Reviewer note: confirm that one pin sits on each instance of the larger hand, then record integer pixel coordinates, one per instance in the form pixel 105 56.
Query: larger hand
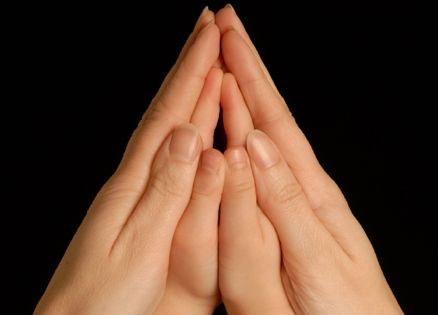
pixel 118 261
pixel 329 263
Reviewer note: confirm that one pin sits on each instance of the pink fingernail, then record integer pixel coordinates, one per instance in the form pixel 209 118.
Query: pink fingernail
pixel 203 12
pixel 236 158
pixel 262 150
pixel 185 143
pixel 228 5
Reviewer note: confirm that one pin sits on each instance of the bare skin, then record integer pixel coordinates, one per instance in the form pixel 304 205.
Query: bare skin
pixel 129 255
pixel 328 264
pixel 152 242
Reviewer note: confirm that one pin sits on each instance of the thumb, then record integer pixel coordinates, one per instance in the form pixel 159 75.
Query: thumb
pixel 154 219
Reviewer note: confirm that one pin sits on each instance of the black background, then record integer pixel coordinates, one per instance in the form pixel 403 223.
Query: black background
pixel 82 76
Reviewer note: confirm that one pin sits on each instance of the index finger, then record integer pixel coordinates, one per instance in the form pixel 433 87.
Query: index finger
pixel 227 19
pixel 173 105
pixel 270 114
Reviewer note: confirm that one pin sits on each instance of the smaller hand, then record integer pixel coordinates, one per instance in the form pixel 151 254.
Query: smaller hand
pixel 192 282
pixel 249 251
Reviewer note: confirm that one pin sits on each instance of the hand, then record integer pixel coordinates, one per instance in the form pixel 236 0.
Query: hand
pixel 328 263
pixel 118 261
pixel 249 251
pixel 192 282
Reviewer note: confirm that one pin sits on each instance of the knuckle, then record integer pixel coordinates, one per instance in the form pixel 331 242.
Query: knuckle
pixel 204 189
pixel 160 109
pixel 167 182
pixel 286 193
pixel 186 69
pixel 152 112
pixel 242 186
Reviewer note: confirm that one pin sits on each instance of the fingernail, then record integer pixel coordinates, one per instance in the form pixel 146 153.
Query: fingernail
pixel 185 143
pixel 211 160
pixel 262 150
pixel 236 158
pixel 204 11
pixel 228 5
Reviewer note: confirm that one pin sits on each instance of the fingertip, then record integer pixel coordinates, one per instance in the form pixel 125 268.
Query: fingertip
pixel 228 5
pixel 186 143
pixel 233 45
pixel 236 158
pixel 205 17
pixel 212 85
pixel 229 32
pixel 262 149
pixel 216 74
pixel 210 176
pixel 212 161
pixel 226 18
pixel 209 27
pixel 209 38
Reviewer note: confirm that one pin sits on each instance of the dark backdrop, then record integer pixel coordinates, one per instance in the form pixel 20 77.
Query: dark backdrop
pixel 350 74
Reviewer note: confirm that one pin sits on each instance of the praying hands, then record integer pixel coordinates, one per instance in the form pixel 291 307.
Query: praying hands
pixel 181 227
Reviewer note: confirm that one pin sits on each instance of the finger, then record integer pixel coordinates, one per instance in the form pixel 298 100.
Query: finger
pixel 238 123
pixel 227 19
pixel 194 247
pixel 268 112
pixel 302 236
pixel 205 17
pixel 153 222
pixel 123 190
pixel 249 253
pixel 251 79
pixel 200 220
pixel 267 107
pixel 236 117
pixel 206 113
pixel 239 199
pixel 173 105
pixel 271 116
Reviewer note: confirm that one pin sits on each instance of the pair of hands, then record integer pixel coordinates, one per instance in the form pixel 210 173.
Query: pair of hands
pixel 151 243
